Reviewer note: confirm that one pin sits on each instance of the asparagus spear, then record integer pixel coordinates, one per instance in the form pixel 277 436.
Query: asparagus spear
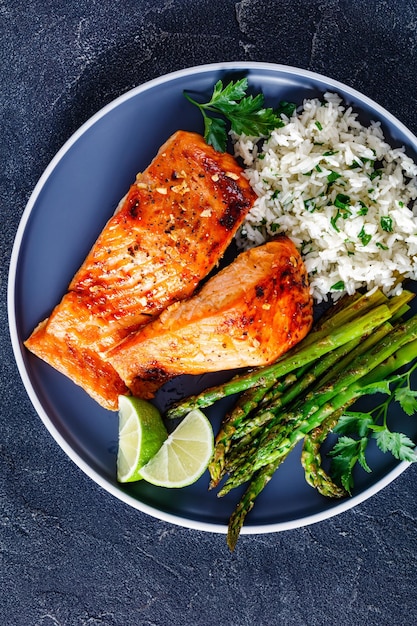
pixel 331 361
pixel 260 481
pixel 247 502
pixel 324 343
pixel 232 423
pixel 285 435
pixel 349 307
pixel 311 459
pixel 335 362
pixel 403 356
pixel 335 394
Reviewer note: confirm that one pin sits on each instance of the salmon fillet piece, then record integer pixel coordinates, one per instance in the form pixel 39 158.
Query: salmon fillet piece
pixel 168 233
pixel 248 314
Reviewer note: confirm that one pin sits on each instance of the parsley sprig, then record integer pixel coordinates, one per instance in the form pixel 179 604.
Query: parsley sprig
pixel 357 428
pixel 245 113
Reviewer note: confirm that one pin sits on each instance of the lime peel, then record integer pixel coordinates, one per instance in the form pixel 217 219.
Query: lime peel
pixel 141 434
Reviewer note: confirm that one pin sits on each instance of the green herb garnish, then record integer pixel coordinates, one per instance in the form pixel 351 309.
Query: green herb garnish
pixel 342 201
pixel 333 221
pixel 245 113
pixel 364 209
pixel 386 223
pixel 286 108
pixel 333 176
pixel 364 426
pixel 364 237
pixel 375 174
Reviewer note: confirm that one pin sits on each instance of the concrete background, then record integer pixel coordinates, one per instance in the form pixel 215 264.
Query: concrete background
pixel 71 554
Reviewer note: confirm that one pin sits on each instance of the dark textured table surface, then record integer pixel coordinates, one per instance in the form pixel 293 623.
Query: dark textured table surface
pixel 70 553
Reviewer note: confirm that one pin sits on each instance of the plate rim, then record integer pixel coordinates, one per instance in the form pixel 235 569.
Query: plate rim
pixel 17 347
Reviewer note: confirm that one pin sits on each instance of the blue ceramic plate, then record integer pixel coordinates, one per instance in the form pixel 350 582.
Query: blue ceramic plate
pixel 68 208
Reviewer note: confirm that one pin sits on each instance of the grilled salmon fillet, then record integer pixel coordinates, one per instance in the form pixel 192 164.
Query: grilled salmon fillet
pixel 168 233
pixel 248 314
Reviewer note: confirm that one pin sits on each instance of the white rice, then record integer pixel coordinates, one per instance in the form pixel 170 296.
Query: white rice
pixel 359 230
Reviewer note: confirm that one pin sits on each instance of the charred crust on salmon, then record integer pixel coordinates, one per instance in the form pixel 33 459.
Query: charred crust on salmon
pixel 133 207
pixel 259 291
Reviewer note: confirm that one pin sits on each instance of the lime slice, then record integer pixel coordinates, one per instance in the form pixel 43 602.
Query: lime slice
pixel 184 455
pixel 141 434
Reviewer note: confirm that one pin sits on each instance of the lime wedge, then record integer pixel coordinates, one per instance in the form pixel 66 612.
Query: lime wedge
pixel 184 455
pixel 141 434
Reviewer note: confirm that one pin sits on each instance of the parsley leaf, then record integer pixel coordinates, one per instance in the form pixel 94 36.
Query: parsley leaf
pixel 363 426
pixel 398 444
pixel 285 108
pixel 245 113
pixel 223 96
pixel 215 133
pixel 346 453
pixel 407 399
pixel 251 119
pixel 354 422
pixel 379 386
